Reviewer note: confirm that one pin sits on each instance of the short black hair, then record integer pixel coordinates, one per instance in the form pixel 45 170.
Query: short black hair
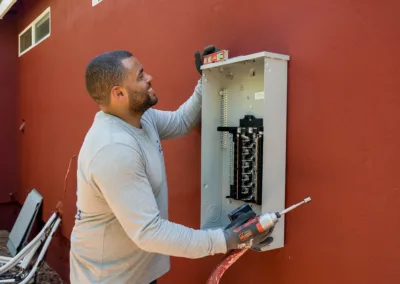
pixel 104 72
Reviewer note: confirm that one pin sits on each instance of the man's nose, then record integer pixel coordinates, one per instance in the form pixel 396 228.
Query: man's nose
pixel 149 78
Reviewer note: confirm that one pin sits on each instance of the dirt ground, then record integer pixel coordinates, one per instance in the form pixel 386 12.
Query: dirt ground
pixel 45 275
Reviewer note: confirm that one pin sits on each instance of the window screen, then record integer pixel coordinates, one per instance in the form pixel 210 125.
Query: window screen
pixel 42 27
pixel 25 40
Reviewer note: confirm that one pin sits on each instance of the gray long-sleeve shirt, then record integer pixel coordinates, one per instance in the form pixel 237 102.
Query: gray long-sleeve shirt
pixel 121 232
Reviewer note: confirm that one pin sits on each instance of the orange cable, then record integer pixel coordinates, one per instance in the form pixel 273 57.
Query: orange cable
pixel 60 203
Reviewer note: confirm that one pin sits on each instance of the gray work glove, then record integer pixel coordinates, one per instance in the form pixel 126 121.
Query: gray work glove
pixel 243 233
pixel 198 59
pixel 265 241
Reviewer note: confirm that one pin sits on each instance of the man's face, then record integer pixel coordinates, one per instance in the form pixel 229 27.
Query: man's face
pixel 137 87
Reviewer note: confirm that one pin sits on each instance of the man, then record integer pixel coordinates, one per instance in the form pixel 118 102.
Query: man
pixel 122 233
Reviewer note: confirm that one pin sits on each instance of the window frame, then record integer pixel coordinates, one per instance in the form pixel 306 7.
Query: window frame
pixel 33 34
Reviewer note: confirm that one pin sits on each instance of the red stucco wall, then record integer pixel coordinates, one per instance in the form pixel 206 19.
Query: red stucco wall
pixel 343 119
pixel 8 108
pixel 8 125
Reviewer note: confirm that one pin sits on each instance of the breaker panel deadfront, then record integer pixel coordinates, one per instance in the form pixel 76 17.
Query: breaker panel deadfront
pixel 244 138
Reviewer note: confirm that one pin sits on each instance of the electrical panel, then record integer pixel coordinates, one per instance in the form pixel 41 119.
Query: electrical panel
pixel 243 143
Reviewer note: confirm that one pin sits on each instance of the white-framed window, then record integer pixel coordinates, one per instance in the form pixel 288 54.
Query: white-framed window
pixel 35 33
pixel 5 5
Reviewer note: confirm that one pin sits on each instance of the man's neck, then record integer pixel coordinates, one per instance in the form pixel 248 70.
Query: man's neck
pixel 133 120
pixel 130 118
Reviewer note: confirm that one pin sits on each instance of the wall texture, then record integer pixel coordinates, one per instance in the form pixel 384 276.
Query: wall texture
pixel 343 121
pixel 8 126
pixel 8 108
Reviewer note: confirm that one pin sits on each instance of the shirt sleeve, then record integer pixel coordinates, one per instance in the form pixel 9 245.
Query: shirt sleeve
pixel 174 124
pixel 118 172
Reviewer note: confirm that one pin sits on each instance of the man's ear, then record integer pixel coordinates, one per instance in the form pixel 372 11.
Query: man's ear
pixel 117 93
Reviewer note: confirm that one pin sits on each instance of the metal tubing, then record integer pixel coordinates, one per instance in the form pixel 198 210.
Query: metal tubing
pixel 308 199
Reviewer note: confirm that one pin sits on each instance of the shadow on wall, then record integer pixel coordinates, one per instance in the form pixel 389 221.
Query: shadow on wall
pixel 9 213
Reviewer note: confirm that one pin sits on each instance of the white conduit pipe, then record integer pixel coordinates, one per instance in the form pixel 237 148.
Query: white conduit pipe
pixel 42 252
pixel 15 260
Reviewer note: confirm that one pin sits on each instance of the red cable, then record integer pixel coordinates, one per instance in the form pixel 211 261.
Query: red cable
pixel 66 176
pixel 60 204
pixel 229 259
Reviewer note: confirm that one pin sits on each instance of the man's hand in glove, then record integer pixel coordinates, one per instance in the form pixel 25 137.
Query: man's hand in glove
pixel 198 59
pixel 243 233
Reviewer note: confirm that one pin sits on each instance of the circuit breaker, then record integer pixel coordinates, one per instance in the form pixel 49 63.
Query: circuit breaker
pixel 243 138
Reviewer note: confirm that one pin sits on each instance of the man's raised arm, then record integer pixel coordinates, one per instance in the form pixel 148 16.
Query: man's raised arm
pixel 175 124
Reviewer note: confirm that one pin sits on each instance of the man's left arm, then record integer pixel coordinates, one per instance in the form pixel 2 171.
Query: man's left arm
pixel 175 124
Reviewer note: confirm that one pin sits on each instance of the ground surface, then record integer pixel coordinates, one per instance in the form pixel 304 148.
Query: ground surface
pixel 45 275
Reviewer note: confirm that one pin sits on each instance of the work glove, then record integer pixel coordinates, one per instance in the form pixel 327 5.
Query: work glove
pixel 243 233
pixel 265 241
pixel 198 59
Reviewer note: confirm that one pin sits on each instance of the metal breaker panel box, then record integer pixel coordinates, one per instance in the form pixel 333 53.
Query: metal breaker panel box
pixel 243 144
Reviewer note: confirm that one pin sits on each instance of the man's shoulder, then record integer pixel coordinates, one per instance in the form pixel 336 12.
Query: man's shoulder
pixel 106 134
pixel 116 141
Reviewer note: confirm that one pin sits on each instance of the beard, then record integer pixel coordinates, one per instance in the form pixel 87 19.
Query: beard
pixel 141 101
